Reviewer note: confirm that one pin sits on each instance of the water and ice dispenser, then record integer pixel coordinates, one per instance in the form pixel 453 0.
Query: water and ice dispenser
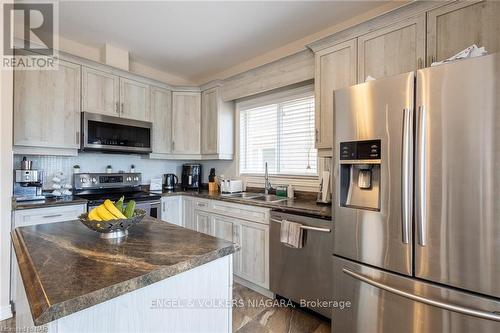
pixel 360 174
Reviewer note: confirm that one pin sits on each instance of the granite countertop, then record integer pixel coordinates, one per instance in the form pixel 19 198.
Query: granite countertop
pixel 66 267
pixel 49 202
pixel 301 206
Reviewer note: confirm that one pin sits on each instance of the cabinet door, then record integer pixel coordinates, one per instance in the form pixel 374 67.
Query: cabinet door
pixel 161 116
pixel 452 28
pixel 188 213
pixel 254 240
pixel 335 69
pixel 209 121
pixel 223 227
pixel 186 122
pixel 100 92
pixel 396 49
pixel 171 210
pixel 203 222
pixel 47 107
pixel 134 99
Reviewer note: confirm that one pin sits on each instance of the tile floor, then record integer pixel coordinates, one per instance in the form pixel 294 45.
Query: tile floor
pixel 255 313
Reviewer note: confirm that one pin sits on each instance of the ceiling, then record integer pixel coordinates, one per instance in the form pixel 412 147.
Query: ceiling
pixel 193 40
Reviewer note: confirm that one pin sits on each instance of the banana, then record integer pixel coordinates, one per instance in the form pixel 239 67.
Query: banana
pixel 94 216
pixel 104 214
pixel 110 206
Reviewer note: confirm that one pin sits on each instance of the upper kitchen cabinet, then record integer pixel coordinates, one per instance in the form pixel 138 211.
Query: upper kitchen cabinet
pixel 100 92
pixel 161 116
pixel 217 122
pixel 335 68
pixel 186 121
pixel 134 100
pixel 454 27
pixel 47 110
pixel 396 49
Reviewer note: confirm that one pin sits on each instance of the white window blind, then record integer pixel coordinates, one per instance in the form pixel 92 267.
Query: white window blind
pixel 281 134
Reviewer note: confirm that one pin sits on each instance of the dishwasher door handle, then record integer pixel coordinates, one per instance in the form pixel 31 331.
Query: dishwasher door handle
pixel 306 227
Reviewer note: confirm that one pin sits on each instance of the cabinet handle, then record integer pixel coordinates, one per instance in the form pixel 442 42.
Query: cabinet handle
pixel 117 107
pixel 316 135
pixel 419 63
pixel 78 137
pixel 51 216
pixel 173 145
pixel 121 108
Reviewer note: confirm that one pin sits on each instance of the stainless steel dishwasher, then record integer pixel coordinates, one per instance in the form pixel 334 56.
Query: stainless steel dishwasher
pixel 305 274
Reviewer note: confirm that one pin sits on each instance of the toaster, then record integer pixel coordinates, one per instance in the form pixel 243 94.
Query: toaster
pixel 231 186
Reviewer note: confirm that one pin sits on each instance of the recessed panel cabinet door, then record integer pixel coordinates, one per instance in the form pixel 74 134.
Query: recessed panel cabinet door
pixel 396 49
pixel 209 121
pixel 161 116
pixel 335 68
pixel 454 27
pixel 186 122
pixel 254 240
pixel 100 92
pixel 134 98
pixel 47 107
pixel 203 222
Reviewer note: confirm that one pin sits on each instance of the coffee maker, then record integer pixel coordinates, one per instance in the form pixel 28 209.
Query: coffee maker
pixel 28 183
pixel 191 176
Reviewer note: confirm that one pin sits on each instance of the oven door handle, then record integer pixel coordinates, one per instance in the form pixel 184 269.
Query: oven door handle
pixel 306 227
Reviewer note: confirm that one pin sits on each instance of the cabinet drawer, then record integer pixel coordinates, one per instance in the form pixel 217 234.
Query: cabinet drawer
pixel 202 204
pixel 246 212
pixel 35 216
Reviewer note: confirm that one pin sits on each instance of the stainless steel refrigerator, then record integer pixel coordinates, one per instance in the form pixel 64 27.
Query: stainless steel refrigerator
pixel 417 204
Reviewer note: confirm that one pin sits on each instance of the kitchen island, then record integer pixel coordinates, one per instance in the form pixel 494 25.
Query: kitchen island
pixel 159 278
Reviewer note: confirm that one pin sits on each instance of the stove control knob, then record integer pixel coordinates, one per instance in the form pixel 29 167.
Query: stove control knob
pixel 136 179
pixel 84 180
pixel 94 180
pixel 129 179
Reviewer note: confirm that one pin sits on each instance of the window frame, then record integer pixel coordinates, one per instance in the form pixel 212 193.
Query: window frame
pixel 303 182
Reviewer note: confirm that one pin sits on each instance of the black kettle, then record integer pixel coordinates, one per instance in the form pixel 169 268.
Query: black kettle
pixel 171 181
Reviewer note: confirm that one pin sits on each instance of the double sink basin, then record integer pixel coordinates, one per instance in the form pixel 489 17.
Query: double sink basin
pixel 256 197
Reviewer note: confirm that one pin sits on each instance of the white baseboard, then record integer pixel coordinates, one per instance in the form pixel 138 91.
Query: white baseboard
pixel 5 312
pixel 254 287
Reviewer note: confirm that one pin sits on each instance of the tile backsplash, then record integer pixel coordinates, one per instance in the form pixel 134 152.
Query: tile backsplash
pixel 97 162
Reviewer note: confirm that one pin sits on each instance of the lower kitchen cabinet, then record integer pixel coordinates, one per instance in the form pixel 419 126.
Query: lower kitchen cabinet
pixel 203 222
pixel 245 225
pixel 254 254
pixel 171 210
pixel 188 212
pixel 252 261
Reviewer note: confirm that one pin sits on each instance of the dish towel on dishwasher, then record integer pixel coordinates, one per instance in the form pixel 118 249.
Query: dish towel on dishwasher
pixel 291 234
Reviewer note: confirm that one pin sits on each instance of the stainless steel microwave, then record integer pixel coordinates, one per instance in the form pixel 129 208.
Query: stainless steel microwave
pixel 114 134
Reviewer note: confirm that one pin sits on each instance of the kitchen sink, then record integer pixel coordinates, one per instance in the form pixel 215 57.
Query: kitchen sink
pixel 268 198
pixel 243 195
pixel 255 196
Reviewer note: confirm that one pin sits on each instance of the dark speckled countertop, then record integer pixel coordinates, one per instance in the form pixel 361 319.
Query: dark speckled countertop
pixel 302 206
pixel 66 267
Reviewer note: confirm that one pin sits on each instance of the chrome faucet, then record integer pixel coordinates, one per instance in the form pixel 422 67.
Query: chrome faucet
pixel 267 183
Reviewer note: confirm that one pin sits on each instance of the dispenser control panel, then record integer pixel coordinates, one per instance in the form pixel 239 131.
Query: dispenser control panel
pixel 360 150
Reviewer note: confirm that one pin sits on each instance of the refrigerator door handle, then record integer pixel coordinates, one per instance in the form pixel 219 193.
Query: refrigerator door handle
pixel 447 306
pixel 421 177
pixel 406 174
